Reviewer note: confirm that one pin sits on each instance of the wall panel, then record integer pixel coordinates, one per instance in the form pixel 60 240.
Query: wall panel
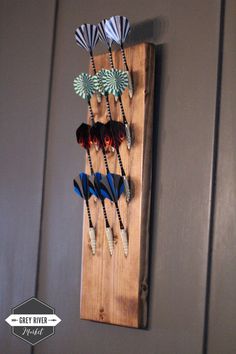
pixel 26 34
pixel 222 315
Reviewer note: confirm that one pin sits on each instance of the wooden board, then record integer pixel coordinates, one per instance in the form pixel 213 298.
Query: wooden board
pixel 114 288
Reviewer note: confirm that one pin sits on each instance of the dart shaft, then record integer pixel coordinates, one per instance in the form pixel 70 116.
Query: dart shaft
pixel 130 84
pixel 105 160
pixel 124 57
pixel 90 162
pixel 92 63
pixel 91 114
pixel 108 107
pixel 111 58
pixel 105 214
pixel 120 162
pixel 119 216
pixel 122 110
pixel 99 99
pixel 89 214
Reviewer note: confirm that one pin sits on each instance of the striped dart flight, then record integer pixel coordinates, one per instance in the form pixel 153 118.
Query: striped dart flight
pixel 105 39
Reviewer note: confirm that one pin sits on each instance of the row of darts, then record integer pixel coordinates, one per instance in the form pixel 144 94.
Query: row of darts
pixel 105 137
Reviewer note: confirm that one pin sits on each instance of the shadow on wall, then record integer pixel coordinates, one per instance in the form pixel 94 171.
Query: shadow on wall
pixel 160 58
pixel 151 31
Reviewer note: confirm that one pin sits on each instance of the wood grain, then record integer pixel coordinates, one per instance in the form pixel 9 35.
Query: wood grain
pixel 114 288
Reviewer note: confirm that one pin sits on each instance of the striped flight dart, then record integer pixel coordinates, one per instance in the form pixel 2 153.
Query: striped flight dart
pixel 95 188
pixel 104 82
pixel 84 139
pixel 105 39
pixel 117 29
pixel 86 37
pixel 114 82
pixel 112 187
pixel 81 187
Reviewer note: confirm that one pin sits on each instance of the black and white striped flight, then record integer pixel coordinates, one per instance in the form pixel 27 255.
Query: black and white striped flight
pixel 102 33
pixel 112 186
pixel 105 39
pixel 117 28
pixel 87 36
pixel 81 187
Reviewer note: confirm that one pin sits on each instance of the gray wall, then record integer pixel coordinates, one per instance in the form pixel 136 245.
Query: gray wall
pixel 192 307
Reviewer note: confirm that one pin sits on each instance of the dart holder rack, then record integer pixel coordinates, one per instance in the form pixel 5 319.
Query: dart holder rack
pixel 114 289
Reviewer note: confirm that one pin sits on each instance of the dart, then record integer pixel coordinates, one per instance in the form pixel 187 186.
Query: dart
pixel 117 29
pixel 114 82
pixel 81 187
pixel 95 188
pixel 112 187
pixel 86 37
pixel 84 139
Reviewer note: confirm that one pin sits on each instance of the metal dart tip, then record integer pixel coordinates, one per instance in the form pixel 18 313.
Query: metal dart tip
pixel 110 239
pixel 127 189
pixel 92 237
pixel 124 239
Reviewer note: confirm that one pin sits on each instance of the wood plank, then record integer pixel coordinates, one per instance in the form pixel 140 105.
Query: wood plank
pixel 25 64
pixel 116 285
pixel 222 316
